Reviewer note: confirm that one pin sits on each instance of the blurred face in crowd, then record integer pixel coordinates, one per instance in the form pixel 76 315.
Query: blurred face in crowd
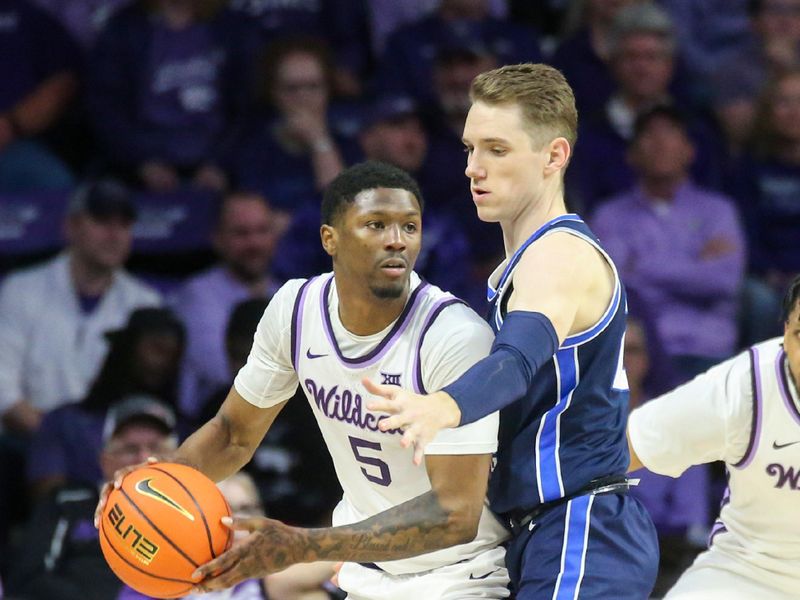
pixel 779 20
pixel 791 343
pixel 786 109
pixel 246 236
pixel 132 445
pixel 156 358
pixel 102 244
pixel 643 66
pixel 301 84
pixel 375 241
pixel 400 142
pixel 242 496
pixel 635 358
pixel 452 79
pixel 662 150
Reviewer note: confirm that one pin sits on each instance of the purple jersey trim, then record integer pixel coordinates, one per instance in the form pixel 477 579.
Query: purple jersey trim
pixel 755 429
pixel 783 385
pixel 297 321
pixel 416 377
pixel 385 344
pixel 716 529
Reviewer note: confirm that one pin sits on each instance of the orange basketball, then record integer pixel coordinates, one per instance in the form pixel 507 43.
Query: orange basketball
pixel 160 525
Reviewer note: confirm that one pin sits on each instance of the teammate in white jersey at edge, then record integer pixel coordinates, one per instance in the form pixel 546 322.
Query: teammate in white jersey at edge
pixel 403 532
pixel 745 412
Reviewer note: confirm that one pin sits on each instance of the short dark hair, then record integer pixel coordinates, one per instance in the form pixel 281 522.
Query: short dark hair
pixel 791 298
pixel 659 111
pixel 368 175
pixel 245 317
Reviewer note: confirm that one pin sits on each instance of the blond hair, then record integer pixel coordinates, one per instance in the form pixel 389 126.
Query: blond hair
pixel 541 92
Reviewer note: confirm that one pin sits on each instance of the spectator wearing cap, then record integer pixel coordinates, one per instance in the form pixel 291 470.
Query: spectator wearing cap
pixel 406 66
pixel 169 83
pixel 677 246
pixel 643 57
pixel 59 555
pixel 144 359
pixel 244 237
pixel 53 316
pixel 39 70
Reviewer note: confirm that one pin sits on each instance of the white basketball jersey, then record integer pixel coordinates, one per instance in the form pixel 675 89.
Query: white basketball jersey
pixel 376 473
pixel 759 521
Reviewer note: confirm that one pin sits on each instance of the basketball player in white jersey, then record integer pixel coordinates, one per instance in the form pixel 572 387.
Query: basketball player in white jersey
pixel 745 412
pixel 403 532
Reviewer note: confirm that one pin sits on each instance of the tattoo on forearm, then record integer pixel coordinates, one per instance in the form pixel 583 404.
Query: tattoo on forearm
pixel 414 527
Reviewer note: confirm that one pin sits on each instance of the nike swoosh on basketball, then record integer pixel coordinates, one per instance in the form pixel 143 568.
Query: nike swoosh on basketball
pixel 471 576
pixel 312 356
pixel 143 487
pixel 778 446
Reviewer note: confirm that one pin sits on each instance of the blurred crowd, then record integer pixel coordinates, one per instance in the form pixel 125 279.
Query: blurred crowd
pixel 161 169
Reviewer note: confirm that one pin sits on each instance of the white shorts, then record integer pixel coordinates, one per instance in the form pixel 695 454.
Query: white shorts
pixel 484 576
pixel 714 576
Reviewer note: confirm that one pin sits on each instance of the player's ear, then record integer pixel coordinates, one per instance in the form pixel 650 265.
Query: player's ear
pixel 559 152
pixel 329 239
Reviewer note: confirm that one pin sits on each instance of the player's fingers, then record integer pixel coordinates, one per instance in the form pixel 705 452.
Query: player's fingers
pixel 386 391
pixel 393 422
pixel 101 504
pixel 245 524
pixel 419 453
pixel 380 405
pixel 219 565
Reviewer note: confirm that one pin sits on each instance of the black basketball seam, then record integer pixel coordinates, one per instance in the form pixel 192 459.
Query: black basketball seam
pixel 197 506
pixel 158 531
pixel 134 565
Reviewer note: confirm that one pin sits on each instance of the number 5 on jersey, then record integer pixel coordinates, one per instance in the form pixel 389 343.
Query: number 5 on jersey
pixel 359 446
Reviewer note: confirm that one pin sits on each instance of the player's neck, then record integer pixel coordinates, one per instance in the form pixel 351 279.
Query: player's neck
pixel 549 206
pixel 362 313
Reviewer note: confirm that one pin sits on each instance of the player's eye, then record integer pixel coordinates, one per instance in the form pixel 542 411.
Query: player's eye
pixel 497 151
pixel 411 227
pixel 375 225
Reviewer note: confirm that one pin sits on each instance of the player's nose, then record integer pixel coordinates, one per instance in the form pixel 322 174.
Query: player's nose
pixel 474 170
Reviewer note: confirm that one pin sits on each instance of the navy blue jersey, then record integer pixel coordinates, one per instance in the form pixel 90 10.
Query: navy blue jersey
pixel 569 428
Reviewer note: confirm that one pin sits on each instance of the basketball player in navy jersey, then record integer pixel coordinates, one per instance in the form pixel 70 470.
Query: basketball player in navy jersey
pixel 746 413
pixel 555 370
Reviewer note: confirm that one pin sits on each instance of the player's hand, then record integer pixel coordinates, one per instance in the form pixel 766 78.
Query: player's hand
pixel 272 546
pixel 115 484
pixel 420 417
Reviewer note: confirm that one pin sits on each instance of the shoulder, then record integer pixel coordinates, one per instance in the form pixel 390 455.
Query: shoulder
pixel 133 287
pixel 30 282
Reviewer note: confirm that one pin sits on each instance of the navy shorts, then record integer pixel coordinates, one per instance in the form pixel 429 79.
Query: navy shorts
pixel 593 547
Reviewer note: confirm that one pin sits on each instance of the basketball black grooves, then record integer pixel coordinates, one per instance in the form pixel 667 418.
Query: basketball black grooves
pixel 197 506
pixel 134 565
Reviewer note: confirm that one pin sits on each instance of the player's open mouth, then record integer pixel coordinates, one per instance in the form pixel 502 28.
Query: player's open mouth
pixel 478 194
pixel 394 267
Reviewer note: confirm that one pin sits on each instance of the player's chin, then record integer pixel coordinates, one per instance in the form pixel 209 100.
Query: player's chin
pixel 388 290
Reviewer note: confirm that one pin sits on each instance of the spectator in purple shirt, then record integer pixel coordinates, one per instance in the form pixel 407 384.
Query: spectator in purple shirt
pixel 643 55
pixel 83 19
pixel 406 66
pixel 679 247
pixel 169 81
pixel 679 507
pixel 244 238
pixel 39 71
pixel 291 151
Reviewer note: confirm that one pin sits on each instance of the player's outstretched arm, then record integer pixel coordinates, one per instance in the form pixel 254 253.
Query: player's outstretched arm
pixel 445 516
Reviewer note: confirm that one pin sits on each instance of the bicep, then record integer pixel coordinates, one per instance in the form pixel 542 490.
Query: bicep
pixel 246 422
pixel 553 278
